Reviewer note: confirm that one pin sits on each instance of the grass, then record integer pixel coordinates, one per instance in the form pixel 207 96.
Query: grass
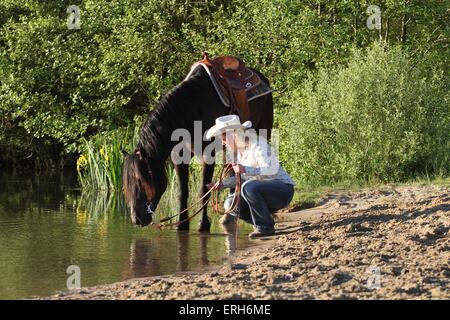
pixel 99 166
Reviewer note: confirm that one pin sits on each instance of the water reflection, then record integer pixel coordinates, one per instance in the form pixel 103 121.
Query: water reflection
pixel 182 251
pixel 230 240
pixel 143 260
pixel 47 224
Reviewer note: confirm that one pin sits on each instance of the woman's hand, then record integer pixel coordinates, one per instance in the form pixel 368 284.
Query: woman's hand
pixel 237 168
pixel 217 185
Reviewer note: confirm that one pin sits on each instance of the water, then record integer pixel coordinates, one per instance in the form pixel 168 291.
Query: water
pixel 47 225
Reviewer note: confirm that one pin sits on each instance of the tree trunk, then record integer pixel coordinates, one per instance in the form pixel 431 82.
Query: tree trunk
pixel 403 30
pixel 386 32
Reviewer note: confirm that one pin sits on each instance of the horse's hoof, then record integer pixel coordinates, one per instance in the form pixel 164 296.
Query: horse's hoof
pixel 204 226
pixel 183 226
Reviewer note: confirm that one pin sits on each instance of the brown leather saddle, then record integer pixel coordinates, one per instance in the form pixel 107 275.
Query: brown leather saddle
pixel 236 82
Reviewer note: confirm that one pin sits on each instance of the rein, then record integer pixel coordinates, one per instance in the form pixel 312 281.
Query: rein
pixel 215 189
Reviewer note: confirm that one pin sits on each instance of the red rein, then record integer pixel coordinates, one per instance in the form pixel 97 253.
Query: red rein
pixel 215 193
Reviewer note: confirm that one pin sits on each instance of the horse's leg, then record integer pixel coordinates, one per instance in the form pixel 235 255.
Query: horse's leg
pixel 207 174
pixel 183 178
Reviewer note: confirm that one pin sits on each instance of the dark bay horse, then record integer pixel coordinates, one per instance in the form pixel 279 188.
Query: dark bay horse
pixel 144 177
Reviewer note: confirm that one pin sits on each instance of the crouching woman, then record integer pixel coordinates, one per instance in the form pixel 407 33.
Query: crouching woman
pixel 265 188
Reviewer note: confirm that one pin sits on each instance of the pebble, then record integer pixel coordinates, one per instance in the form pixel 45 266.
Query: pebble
pixel 238 266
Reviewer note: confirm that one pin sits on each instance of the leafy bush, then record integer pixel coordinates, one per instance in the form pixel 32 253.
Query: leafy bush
pixel 58 86
pixel 382 117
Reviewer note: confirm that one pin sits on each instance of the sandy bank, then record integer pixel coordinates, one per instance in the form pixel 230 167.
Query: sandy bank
pixel 390 243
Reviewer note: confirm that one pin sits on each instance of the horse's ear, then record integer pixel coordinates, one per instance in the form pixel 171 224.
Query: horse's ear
pixel 138 153
pixel 124 153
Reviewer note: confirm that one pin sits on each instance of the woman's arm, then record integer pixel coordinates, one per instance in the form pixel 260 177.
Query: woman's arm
pixel 266 160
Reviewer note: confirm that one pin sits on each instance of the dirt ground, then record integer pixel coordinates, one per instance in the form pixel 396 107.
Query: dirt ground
pixel 389 243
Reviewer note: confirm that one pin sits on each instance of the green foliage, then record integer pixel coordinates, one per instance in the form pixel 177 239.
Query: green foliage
pixel 61 89
pixel 380 118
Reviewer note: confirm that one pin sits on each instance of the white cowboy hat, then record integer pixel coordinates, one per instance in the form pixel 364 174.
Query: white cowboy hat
pixel 225 123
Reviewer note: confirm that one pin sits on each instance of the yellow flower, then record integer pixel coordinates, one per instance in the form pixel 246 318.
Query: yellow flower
pixel 81 162
pixel 103 153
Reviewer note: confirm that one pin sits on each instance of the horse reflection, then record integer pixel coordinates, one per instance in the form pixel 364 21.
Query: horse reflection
pixel 183 252
pixel 143 261
pixel 148 259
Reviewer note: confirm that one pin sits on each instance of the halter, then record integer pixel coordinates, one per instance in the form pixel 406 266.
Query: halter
pixel 150 208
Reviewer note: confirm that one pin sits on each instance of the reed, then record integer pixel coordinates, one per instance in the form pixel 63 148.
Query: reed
pixel 100 167
pixel 100 164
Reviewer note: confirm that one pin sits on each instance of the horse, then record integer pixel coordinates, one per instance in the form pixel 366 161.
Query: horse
pixel 144 175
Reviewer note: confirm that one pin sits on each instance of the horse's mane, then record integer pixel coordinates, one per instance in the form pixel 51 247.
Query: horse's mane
pixel 174 110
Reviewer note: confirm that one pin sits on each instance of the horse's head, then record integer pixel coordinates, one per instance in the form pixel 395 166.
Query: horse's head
pixel 143 186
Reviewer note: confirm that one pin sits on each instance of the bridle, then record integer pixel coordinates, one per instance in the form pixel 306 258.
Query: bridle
pixel 150 208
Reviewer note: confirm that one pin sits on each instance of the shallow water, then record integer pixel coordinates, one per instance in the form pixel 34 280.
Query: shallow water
pixel 47 225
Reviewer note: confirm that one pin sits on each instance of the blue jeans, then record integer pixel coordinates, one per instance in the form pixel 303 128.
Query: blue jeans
pixel 261 198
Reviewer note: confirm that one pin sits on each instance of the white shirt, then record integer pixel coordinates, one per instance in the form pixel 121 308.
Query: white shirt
pixel 259 161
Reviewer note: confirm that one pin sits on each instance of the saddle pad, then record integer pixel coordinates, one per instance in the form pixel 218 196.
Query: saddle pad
pixel 252 93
